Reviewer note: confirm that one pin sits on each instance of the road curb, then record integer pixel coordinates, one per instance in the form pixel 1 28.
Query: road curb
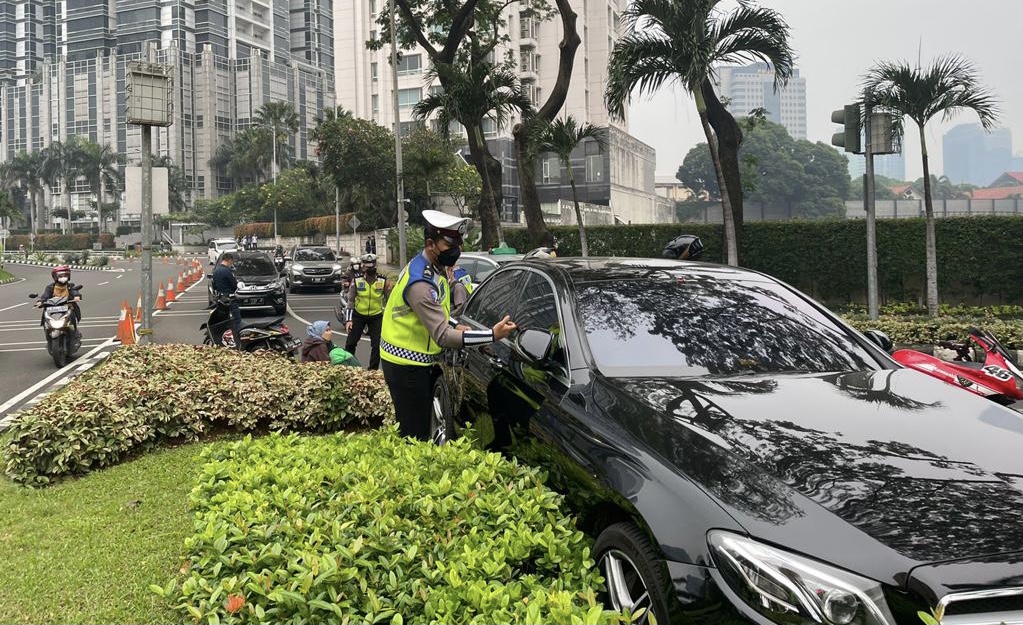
pixel 33 263
pixel 11 280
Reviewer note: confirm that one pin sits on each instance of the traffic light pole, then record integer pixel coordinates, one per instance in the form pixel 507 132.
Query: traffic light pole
pixel 869 208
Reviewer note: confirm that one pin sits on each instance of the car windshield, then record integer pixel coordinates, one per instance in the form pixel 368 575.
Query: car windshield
pixel 227 245
pixel 315 254
pixel 254 267
pixel 701 325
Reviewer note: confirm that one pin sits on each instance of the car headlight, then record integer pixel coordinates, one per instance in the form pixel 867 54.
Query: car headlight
pixel 781 585
pixel 296 268
pixel 337 268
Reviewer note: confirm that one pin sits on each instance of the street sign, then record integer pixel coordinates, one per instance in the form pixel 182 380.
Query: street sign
pixel 4 233
pixel 354 222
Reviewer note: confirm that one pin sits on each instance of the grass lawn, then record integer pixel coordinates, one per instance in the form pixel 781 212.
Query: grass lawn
pixel 4 275
pixel 86 550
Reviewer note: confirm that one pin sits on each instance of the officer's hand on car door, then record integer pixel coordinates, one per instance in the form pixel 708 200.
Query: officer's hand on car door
pixel 504 328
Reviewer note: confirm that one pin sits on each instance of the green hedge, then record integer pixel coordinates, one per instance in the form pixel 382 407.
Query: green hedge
pixel 978 256
pixel 908 331
pixel 144 396
pixel 79 241
pixel 373 528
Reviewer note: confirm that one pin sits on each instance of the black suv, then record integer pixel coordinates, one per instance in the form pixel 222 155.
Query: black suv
pixel 313 266
pixel 259 284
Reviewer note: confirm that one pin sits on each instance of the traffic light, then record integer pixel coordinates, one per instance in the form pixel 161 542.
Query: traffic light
pixel 848 116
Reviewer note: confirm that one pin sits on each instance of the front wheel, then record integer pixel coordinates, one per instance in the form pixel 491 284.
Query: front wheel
pixel 634 573
pixel 441 422
pixel 60 352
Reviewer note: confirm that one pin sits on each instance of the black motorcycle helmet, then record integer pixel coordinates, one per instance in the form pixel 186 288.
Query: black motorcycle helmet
pixel 684 247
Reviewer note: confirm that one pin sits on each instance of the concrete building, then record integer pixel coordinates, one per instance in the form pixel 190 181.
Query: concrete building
pixel 975 156
pixel 621 178
pixel 229 57
pixel 751 87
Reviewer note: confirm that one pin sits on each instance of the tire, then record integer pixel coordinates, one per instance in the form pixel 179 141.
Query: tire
pixel 60 353
pixel 441 422
pixel 633 572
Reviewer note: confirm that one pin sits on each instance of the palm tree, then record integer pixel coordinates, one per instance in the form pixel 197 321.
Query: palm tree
pixel 28 171
pixel 561 137
pixel 281 120
pixel 9 210
pixel 475 91
pixel 63 166
pixel 101 169
pixel 950 85
pixel 239 158
pixel 669 40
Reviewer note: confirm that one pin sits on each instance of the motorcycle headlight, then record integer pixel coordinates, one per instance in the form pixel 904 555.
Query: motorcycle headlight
pixel 58 322
pixel 782 585
pixel 54 333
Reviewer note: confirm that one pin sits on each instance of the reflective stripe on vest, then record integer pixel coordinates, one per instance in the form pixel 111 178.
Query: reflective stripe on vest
pixel 369 298
pixel 404 338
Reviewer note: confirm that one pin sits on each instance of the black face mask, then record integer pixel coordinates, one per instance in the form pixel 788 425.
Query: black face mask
pixel 449 257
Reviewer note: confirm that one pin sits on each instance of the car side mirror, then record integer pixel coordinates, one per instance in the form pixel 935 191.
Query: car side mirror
pixel 880 339
pixel 535 345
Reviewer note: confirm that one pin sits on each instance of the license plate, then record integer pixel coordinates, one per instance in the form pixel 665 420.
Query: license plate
pixel 295 344
pixel 56 308
pixel 254 300
pixel 318 279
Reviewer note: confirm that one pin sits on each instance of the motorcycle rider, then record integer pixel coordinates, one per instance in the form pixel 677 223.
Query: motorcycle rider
pixel 366 298
pixel 684 247
pixel 62 287
pixel 225 283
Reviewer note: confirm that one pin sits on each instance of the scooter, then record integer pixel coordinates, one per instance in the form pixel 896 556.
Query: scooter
pixel 994 375
pixel 60 328
pixel 267 333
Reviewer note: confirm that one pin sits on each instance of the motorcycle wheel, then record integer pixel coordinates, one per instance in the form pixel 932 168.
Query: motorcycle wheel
pixel 59 352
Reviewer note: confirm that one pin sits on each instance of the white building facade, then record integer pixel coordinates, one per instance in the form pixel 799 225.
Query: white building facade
pixel 750 87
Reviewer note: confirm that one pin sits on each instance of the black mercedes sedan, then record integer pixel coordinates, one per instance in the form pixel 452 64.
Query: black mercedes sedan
pixel 739 453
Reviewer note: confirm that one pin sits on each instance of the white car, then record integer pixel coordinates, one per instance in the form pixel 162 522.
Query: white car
pixel 219 246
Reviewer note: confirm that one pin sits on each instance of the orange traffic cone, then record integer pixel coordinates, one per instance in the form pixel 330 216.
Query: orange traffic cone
pixel 127 332
pixel 164 260
pixel 170 291
pixel 138 309
pixel 181 283
pixel 161 303
pixel 120 325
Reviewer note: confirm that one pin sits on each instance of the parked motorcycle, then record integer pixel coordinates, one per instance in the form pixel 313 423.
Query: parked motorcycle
pixel 266 333
pixel 989 371
pixel 60 328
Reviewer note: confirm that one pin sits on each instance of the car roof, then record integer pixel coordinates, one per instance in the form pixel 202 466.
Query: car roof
pixel 587 270
pixel 498 258
pixel 251 254
pixel 224 240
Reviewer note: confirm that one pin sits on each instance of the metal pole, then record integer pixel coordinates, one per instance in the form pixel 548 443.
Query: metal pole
pixel 400 184
pixel 277 239
pixel 147 234
pixel 337 219
pixel 868 202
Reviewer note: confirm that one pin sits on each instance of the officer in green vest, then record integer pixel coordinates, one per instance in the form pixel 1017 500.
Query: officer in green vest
pixel 366 297
pixel 418 326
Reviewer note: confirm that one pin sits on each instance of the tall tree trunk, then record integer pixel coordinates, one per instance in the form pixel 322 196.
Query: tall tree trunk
pixel 932 247
pixel 489 199
pixel 70 229
pixel 729 138
pixel 583 243
pixel 731 251
pixel 535 225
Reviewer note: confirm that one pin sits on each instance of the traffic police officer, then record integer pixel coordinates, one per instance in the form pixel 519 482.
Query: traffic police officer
pixel 417 322
pixel 366 297
pixel 684 247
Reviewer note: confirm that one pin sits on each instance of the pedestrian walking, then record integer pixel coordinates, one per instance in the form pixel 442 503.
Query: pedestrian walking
pixel 366 298
pixel 416 324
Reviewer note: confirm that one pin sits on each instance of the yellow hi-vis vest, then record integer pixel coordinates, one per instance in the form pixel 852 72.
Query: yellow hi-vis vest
pixel 369 298
pixel 404 340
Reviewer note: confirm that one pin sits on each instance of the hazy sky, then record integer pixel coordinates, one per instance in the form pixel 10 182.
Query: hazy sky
pixel 834 48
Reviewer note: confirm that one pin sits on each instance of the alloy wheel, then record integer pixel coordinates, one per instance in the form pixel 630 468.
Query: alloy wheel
pixel 625 586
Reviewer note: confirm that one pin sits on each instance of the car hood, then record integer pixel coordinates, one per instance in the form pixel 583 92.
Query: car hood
pixel 836 463
pixel 316 263
pixel 257 278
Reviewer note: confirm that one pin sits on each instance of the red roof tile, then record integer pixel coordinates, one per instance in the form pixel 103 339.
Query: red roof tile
pixel 998 193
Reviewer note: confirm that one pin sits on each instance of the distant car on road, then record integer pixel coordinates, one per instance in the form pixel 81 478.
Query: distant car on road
pixel 479 265
pixel 313 266
pixel 219 246
pixel 259 283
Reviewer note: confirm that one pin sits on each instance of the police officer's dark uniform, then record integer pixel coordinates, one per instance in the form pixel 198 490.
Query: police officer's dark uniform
pixel 225 283
pixel 417 324
pixel 684 247
pixel 366 297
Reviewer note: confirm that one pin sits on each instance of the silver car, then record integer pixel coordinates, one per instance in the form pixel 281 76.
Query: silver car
pixel 313 266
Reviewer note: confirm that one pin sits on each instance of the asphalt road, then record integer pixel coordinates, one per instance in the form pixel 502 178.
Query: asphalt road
pixel 26 370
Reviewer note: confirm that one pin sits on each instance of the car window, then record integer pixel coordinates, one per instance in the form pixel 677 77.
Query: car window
pixel 702 324
pixel 484 269
pixel 227 246
pixel 314 254
pixel 469 265
pixel 254 266
pixel 538 310
pixel 495 299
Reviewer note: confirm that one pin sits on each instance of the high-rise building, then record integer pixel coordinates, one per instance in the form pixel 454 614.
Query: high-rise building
pixel 621 178
pixel 975 156
pixel 229 57
pixel 750 87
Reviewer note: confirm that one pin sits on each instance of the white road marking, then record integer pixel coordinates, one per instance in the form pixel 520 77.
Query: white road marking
pixel 15 306
pixel 102 283
pixel 120 276
pixel 56 374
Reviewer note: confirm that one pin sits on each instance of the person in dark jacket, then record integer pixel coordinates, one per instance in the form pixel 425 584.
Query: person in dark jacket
pixel 225 283
pixel 318 343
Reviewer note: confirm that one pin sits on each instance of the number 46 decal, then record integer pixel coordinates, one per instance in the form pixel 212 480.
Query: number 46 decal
pixel 997 373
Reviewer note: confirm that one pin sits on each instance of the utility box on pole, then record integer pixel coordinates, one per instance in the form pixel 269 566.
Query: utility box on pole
pixel 148 87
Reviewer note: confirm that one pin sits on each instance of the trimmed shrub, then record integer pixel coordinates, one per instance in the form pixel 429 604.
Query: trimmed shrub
pixel 53 241
pixel 100 261
pixel 373 528
pixel 928 331
pixel 144 396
